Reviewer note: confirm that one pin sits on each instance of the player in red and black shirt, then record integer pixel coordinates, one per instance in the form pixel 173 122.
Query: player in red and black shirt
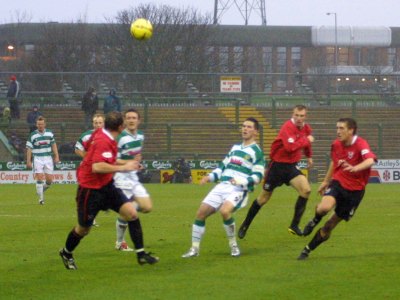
pixel 96 190
pixel 344 185
pixel 294 140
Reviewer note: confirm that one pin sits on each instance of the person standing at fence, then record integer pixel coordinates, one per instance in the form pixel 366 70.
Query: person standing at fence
pixel 13 93
pixel 42 146
pixel 112 102
pixel 90 104
pixel 344 185
pixel 130 144
pixel 241 169
pixel 96 191
pixel 31 118
pixel 293 139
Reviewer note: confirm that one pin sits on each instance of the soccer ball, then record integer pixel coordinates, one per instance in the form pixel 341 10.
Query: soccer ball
pixel 141 29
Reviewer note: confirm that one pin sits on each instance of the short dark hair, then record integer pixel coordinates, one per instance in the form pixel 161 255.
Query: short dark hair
pixel 300 107
pixel 134 110
pixel 350 123
pixel 41 118
pixel 255 122
pixel 113 121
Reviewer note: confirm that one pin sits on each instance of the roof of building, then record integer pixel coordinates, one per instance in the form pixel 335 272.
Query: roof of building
pixel 222 35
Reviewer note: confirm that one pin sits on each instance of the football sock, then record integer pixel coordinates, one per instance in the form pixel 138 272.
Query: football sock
pixel 136 233
pixel 253 210
pixel 73 241
pixel 230 230
pixel 198 230
pixel 120 226
pixel 299 209
pixel 39 189
pixel 317 218
pixel 317 240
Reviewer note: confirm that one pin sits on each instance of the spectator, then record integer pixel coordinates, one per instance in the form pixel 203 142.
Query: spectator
pixel 66 151
pixel 31 118
pixel 182 173
pixel 90 104
pixel 13 93
pixel 5 116
pixel 18 145
pixel 112 102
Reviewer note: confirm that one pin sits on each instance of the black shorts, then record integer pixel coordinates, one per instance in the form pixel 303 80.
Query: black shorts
pixel 277 174
pixel 346 201
pixel 90 201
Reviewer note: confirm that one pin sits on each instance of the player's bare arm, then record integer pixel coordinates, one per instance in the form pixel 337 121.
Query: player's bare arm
pixel 28 158
pixel 80 153
pixel 327 180
pixel 310 162
pixel 204 180
pixel 366 164
pixel 55 153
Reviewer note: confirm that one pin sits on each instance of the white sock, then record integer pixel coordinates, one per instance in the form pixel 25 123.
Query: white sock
pixel 198 231
pixel 120 226
pixel 230 233
pixel 39 189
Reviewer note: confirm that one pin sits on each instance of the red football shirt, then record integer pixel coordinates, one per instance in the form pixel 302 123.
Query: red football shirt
pixel 354 154
pixel 290 143
pixel 103 148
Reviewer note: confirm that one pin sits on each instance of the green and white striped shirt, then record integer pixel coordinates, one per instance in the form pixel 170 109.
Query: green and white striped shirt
pixel 41 143
pixel 130 145
pixel 81 144
pixel 241 162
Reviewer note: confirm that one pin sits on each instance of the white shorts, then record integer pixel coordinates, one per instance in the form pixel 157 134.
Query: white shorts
pixel 129 183
pixel 225 191
pixel 43 164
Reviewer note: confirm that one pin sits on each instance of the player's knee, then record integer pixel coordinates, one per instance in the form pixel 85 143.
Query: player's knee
pixel 128 212
pixel 146 207
pixel 263 197
pixel 225 213
pixel 305 191
pixel 82 231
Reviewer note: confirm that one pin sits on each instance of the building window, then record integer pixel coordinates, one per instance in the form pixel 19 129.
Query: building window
pixel 237 59
pixel 296 59
pixel 223 59
pixel 391 56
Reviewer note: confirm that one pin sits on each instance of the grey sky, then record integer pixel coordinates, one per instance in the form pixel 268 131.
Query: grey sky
pixel 278 12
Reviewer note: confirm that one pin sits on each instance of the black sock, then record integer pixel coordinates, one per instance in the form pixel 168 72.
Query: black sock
pixel 136 233
pixel 317 240
pixel 253 210
pixel 73 240
pixel 317 218
pixel 299 209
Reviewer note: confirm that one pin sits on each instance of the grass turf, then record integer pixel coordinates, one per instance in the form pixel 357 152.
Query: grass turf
pixel 360 261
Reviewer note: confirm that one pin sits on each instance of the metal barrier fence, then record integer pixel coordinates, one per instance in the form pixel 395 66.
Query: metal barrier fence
pixel 66 86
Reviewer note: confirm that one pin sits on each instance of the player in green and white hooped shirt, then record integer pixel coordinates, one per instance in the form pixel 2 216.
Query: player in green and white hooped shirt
pixel 241 169
pixel 81 145
pixel 130 143
pixel 41 145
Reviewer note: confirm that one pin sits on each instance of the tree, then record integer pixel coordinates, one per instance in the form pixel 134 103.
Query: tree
pixel 178 45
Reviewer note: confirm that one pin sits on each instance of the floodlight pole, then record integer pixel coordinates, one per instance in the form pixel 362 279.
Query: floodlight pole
pixel 336 38
pixel 336 55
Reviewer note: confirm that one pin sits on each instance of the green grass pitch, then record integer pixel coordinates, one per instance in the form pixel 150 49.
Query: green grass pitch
pixel 360 261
